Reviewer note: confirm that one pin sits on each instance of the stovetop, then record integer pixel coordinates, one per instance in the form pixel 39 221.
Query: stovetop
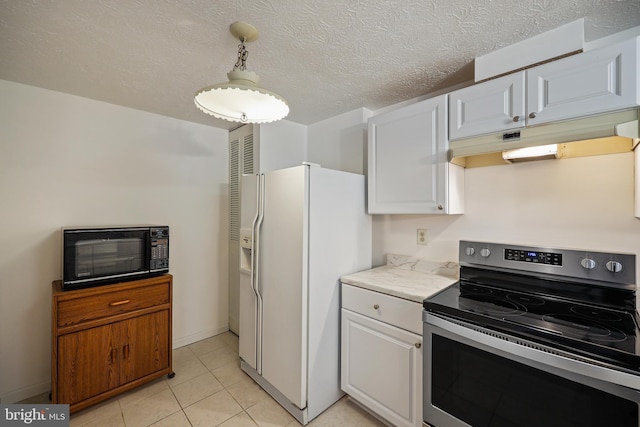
pixel 611 336
pixel 593 318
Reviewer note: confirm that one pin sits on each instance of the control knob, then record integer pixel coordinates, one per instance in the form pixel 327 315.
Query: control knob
pixel 485 252
pixel 470 251
pixel 613 266
pixel 588 263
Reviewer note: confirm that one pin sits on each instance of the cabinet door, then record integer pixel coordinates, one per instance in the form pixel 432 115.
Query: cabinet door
pixel 87 363
pixel 407 153
pixel 598 81
pixel 382 368
pixel 493 106
pixel 144 345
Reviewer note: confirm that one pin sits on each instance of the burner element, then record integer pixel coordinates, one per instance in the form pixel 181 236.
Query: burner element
pixel 525 299
pixel 579 327
pixel 471 289
pixel 489 305
pixel 596 313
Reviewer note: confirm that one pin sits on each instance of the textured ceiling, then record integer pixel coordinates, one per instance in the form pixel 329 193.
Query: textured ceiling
pixel 325 57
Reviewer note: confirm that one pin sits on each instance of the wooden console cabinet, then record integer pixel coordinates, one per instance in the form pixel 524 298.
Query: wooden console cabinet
pixel 109 339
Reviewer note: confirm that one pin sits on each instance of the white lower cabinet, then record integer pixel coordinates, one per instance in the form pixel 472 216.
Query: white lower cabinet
pixel 381 362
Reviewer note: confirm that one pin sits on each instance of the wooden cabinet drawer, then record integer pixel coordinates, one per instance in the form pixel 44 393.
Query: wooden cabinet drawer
pixel 395 311
pixel 95 306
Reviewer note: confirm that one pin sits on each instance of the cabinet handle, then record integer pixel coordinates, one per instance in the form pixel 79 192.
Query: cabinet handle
pixel 532 115
pixel 116 303
pixel 376 306
pixel 516 118
pixel 440 207
pixel 125 351
pixel 418 344
pixel 114 355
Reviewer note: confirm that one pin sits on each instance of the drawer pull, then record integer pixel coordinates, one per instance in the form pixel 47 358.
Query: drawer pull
pixel 376 306
pixel 418 344
pixel 116 303
pixel 114 355
pixel 125 351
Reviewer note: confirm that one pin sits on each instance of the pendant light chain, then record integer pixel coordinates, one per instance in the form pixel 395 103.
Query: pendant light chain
pixel 241 63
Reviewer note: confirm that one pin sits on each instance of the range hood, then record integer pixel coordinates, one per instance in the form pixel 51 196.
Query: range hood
pixel 620 124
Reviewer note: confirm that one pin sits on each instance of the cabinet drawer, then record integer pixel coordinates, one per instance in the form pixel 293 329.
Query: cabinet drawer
pixel 96 306
pixel 395 311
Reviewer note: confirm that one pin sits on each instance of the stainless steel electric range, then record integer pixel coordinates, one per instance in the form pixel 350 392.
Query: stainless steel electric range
pixel 534 336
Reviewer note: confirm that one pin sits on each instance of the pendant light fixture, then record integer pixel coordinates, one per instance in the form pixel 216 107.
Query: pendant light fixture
pixel 242 99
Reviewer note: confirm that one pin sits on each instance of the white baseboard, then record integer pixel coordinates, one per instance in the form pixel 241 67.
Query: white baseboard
pixel 25 392
pixel 199 336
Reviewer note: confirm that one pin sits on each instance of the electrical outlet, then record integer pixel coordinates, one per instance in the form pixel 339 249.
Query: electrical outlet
pixel 422 236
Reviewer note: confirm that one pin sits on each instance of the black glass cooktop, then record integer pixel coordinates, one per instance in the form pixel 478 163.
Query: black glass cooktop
pixel 596 331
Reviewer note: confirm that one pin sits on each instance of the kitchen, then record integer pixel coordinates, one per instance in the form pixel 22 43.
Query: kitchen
pixel 63 148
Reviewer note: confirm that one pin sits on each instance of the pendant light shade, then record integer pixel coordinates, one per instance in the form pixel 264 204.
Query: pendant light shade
pixel 242 99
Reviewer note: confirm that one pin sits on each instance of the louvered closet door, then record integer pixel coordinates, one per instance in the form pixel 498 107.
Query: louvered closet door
pixel 240 162
pixel 234 189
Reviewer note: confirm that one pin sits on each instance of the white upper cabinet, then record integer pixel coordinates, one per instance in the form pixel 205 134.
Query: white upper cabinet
pixel 408 169
pixel 494 106
pixel 594 82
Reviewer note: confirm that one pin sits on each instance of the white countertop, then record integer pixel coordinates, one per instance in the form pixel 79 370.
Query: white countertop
pixel 406 277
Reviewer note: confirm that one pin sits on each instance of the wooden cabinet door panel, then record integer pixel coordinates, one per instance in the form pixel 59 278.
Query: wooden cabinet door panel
pixel 88 363
pixel 144 345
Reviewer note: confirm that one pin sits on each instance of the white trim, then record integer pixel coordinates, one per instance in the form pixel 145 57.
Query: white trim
pixel 199 336
pixel 15 396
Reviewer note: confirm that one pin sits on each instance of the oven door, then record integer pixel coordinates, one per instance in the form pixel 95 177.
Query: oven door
pixel 475 377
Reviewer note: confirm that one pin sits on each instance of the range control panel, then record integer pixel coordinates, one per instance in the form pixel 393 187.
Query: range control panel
pixel 550 258
pixel 614 268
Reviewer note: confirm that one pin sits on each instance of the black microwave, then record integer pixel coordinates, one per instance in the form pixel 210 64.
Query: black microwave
pixel 101 255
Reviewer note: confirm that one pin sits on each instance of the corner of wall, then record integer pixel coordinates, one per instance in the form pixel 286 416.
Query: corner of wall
pixel 339 142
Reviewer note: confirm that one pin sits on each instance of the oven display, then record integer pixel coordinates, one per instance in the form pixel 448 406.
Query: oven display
pixel 535 257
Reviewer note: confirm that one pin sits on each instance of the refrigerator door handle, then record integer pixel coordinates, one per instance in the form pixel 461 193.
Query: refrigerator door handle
pixel 256 271
pixel 254 237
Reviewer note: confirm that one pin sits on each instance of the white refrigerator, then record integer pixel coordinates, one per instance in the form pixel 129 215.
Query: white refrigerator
pixel 301 229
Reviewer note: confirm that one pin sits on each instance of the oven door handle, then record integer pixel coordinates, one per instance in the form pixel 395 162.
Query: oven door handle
pixel 535 355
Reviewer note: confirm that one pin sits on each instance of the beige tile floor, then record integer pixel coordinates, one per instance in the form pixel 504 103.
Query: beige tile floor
pixel 209 389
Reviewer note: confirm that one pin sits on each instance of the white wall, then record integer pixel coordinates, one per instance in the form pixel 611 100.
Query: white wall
pixel 583 203
pixel 340 142
pixel 66 160
pixel 281 145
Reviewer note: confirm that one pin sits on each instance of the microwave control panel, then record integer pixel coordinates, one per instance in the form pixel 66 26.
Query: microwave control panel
pixel 159 248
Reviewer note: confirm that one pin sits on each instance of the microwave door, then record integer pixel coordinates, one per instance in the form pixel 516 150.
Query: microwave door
pixel 96 255
pixel 112 256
